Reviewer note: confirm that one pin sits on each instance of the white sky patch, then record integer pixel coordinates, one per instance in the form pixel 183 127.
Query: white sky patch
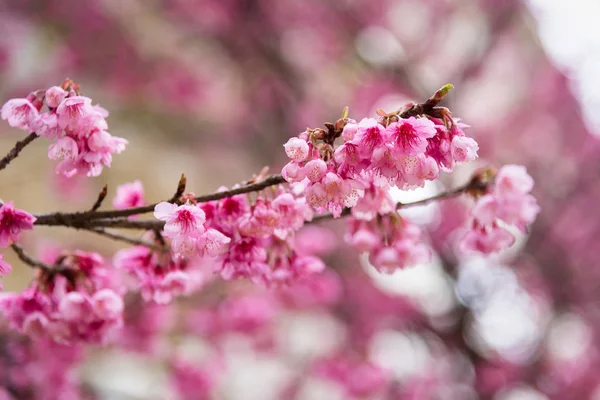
pixel 570 33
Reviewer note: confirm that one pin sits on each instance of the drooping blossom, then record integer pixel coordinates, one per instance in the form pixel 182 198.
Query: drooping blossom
pixel 83 304
pixel 20 113
pixel 5 267
pixel 392 242
pixel 12 222
pixel 159 277
pixel 185 226
pixel 507 203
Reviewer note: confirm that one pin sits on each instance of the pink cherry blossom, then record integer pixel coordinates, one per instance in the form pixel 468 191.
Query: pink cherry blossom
pixel 72 113
pixel 486 240
pixel 129 195
pixel 508 201
pixel 369 135
pixel 512 178
pixel 192 382
pixel 296 149
pixel 392 242
pixel 66 310
pixel 55 95
pixel 46 125
pixel 20 113
pixel 64 148
pixel 186 219
pixel 12 222
pixel 409 136
pixel 464 149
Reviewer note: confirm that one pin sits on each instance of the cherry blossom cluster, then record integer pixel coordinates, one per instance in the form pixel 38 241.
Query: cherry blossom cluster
pixel 262 238
pixel 404 152
pixel 81 303
pixel 507 203
pixel 392 242
pixel 39 366
pixel 159 276
pixel 77 129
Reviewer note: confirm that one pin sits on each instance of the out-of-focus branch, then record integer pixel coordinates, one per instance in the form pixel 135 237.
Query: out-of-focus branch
pixel 441 196
pixel 14 152
pixel 27 259
pixel 126 239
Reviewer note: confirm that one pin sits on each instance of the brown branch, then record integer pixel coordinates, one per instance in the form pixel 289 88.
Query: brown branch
pixel 126 239
pixel 442 196
pixel 83 217
pixel 158 225
pixel 14 152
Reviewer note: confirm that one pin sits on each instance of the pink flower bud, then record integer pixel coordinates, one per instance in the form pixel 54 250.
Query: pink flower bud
pixel 315 170
pixel 107 304
pixel 54 96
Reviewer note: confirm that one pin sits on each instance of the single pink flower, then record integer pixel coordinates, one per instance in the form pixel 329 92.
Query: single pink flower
pixel 72 112
pixel 129 195
pixel 64 148
pixel 464 149
pixel 46 125
pixel 512 178
pixel 409 136
pixel 186 219
pixel 486 241
pixel 12 222
pixel 296 149
pixel 54 96
pixel 20 113
pixel 107 304
pixel 315 170
pixel 369 135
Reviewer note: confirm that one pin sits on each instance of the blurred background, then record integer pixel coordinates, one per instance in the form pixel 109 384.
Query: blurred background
pixel 213 88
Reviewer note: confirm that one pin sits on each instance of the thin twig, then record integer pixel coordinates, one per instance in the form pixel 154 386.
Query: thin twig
pixel 100 199
pixel 23 256
pixel 126 239
pixel 14 152
pixel 72 219
pixel 158 225
pixel 180 189
pixel 441 196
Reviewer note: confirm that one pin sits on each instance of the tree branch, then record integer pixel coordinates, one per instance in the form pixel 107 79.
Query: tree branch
pixel 82 217
pixel 441 196
pixel 126 239
pixel 93 224
pixel 14 152
pixel 24 257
